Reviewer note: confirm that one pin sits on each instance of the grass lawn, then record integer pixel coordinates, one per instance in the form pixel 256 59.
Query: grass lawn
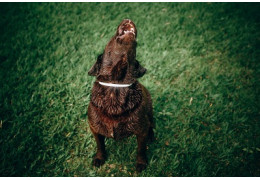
pixel 203 75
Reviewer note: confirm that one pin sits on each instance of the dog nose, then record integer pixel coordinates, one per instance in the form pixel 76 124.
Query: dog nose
pixel 129 20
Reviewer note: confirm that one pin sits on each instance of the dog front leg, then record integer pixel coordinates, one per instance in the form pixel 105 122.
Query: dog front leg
pixel 141 162
pixel 99 158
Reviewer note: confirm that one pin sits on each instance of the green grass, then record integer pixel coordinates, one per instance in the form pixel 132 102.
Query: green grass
pixel 203 75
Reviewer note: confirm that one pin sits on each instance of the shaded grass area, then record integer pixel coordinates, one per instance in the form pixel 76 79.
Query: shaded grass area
pixel 203 75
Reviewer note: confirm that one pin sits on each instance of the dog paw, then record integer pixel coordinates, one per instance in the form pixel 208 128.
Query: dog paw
pixel 140 167
pixel 98 162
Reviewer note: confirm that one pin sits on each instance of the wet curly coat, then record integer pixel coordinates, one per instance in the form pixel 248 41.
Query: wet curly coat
pixel 118 112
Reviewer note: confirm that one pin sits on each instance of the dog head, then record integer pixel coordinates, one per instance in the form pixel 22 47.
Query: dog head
pixel 118 62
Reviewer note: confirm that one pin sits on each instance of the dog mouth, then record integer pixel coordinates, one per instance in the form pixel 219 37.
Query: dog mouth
pixel 129 31
pixel 127 28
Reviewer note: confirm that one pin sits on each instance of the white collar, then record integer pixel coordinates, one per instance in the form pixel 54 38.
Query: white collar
pixel 114 85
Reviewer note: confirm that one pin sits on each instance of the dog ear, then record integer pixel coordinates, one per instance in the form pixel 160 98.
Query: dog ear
pixel 139 70
pixel 94 70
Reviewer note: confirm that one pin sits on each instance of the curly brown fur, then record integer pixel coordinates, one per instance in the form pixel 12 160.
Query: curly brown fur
pixel 119 112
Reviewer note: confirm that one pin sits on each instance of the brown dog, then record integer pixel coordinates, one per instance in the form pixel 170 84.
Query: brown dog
pixel 120 106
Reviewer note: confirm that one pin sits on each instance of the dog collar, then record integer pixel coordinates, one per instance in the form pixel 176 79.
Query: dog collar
pixel 114 85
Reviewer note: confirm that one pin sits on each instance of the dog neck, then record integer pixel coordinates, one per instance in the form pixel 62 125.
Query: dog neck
pixel 114 85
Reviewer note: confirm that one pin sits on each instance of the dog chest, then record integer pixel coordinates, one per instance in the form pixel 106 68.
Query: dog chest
pixel 117 130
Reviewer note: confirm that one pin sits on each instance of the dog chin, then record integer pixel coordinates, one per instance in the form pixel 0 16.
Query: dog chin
pixel 126 39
